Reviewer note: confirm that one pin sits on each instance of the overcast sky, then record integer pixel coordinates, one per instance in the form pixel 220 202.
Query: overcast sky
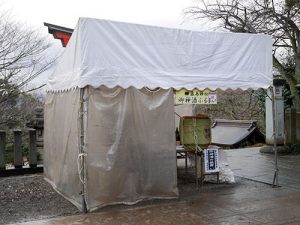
pixel 66 12
pixel 34 13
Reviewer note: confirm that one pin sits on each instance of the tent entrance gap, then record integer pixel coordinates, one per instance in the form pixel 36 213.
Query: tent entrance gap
pixel 82 153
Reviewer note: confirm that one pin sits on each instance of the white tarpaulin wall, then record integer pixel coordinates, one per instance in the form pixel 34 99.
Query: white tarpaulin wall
pixel 61 141
pixel 129 131
pixel 130 145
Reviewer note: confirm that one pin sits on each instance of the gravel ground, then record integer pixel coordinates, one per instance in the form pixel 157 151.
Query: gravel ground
pixel 23 198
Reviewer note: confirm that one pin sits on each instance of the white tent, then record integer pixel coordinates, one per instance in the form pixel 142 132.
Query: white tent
pixel 108 134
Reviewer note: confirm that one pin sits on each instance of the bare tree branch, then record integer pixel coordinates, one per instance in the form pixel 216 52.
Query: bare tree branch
pixel 23 57
pixel 279 18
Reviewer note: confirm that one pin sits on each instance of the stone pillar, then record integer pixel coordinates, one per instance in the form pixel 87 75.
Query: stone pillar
pixel 298 127
pixel 18 151
pixel 290 126
pixel 279 114
pixel 32 148
pixel 2 149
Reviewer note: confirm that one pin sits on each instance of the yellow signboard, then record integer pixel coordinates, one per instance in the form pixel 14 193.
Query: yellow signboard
pixel 205 97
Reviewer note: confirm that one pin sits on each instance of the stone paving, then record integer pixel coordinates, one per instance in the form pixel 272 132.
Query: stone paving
pixel 246 202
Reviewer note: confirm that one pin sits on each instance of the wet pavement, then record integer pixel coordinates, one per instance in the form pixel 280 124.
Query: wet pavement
pixel 245 202
pixel 252 164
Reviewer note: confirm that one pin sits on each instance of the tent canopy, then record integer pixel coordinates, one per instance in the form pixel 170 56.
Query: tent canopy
pixel 124 151
pixel 112 54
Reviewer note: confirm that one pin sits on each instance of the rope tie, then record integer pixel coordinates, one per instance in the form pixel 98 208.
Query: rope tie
pixel 80 159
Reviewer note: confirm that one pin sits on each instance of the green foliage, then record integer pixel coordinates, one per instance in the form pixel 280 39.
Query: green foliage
pixel 291 3
pixel 296 148
pixel 10 152
pixel 288 61
pixel 260 95
pixel 288 99
pixel 17 111
pixel 9 156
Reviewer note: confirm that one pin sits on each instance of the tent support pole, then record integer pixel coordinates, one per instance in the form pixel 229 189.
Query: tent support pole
pixel 275 179
pixel 82 151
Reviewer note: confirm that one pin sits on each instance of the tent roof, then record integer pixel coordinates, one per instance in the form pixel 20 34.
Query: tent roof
pixel 110 53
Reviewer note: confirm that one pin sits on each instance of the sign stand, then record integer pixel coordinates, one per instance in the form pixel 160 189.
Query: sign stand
pixel 210 163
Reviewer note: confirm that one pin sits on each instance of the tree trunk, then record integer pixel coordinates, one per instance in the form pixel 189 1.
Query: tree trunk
pixel 293 88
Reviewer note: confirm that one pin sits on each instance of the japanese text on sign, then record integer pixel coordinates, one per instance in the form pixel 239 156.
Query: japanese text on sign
pixel 195 96
pixel 211 160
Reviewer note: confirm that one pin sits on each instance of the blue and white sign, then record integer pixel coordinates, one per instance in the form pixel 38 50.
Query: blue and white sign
pixel 211 160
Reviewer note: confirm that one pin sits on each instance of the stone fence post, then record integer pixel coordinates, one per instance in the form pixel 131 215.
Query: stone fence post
pixel 2 149
pixel 32 148
pixel 18 151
